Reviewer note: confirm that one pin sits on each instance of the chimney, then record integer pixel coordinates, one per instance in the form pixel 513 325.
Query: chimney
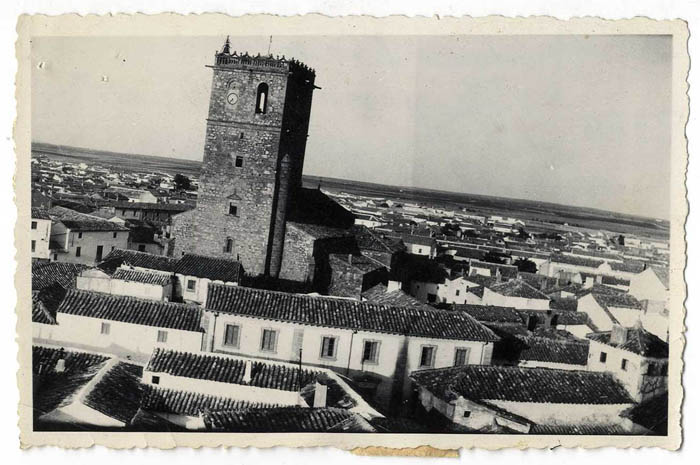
pixel 618 335
pixel 248 372
pixel 320 394
pixel 61 362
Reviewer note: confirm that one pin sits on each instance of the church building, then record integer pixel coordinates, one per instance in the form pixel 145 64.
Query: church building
pixel 252 206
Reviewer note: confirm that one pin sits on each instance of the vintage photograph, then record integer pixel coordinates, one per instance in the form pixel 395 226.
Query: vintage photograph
pixel 448 233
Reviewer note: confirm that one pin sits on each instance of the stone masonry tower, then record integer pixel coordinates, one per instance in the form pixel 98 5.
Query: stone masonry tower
pixel 253 160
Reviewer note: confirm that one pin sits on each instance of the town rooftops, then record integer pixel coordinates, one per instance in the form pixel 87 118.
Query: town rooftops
pixel 345 314
pixel 119 257
pixel 518 288
pixel 118 393
pixel 628 266
pixel 662 273
pixel 506 271
pixel 491 314
pixel 518 384
pixel 378 295
pixel 361 263
pixel 158 279
pixel 132 310
pixel 418 240
pixel 76 221
pixel 287 419
pixel 637 340
pixel 216 269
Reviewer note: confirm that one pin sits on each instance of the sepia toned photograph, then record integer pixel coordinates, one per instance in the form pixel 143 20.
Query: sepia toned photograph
pixel 468 236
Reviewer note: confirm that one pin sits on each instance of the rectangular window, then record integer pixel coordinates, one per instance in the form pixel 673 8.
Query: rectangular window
pixel 461 356
pixel 55 256
pixel 104 329
pixel 603 357
pixel 33 246
pixel 142 247
pixel 228 247
pixel 623 365
pixel 467 413
pixel 328 347
pixel 239 162
pixel 231 335
pixel 114 235
pixel 155 379
pixel 232 209
pixel 191 284
pixel 77 251
pixel 98 254
pixel 432 298
pixel 80 235
pixel 33 224
pixel 370 352
pixel 457 292
pixel 162 336
pixel 427 356
pixel 268 341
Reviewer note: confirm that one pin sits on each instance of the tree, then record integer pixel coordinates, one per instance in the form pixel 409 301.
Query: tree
pixel 182 182
pixel 525 265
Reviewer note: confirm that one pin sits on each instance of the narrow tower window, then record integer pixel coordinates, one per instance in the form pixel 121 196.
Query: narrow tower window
pixel 228 248
pixel 261 101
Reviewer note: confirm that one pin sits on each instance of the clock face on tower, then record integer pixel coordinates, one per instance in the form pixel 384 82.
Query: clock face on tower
pixel 231 98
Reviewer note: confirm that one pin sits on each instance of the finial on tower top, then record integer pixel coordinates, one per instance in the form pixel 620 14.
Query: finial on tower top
pixel 227 46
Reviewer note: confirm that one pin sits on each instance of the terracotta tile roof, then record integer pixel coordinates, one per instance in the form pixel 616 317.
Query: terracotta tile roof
pixel 286 419
pixel 638 341
pixel 662 273
pixel 76 221
pixel 361 263
pixel 481 280
pixel 651 414
pixel 366 239
pixel 118 257
pixel 48 274
pixel 517 384
pixel 132 310
pixel 617 300
pixel 579 261
pixel 166 207
pixel 53 389
pixel 589 429
pixel 222 369
pixel 614 281
pixel 491 313
pixel 518 288
pixel 162 400
pixel 600 289
pixel 344 313
pixel 544 283
pixel 118 393
pixel 398 298
pixel 216 269
pixel 565 304
pixel 543 349
pixel 40 214
pixel 45 302
pixel 629 266
pixel 159 279
pixel 418 240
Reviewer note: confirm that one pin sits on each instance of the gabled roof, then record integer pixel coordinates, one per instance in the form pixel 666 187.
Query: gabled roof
pixel 118 257
pixel 662 273
pixel 491 313
pixel 398 298
pixel 418 240
pixel 45 302
pixel 506 271
pixel 651 414
pixel 638 341
pixel 132 310
pixel 54 389
pixel 287 419
pixel 579 261
pixel 518 384
pixel 156 399
pixel 345 313
pixel 48 274
pixel 518 288
pixel 216 269
pixel 159 279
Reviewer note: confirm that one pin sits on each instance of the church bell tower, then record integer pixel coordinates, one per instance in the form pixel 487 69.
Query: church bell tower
pixel 253 159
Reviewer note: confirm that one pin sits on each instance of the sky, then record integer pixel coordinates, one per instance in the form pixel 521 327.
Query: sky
pixel 576 120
